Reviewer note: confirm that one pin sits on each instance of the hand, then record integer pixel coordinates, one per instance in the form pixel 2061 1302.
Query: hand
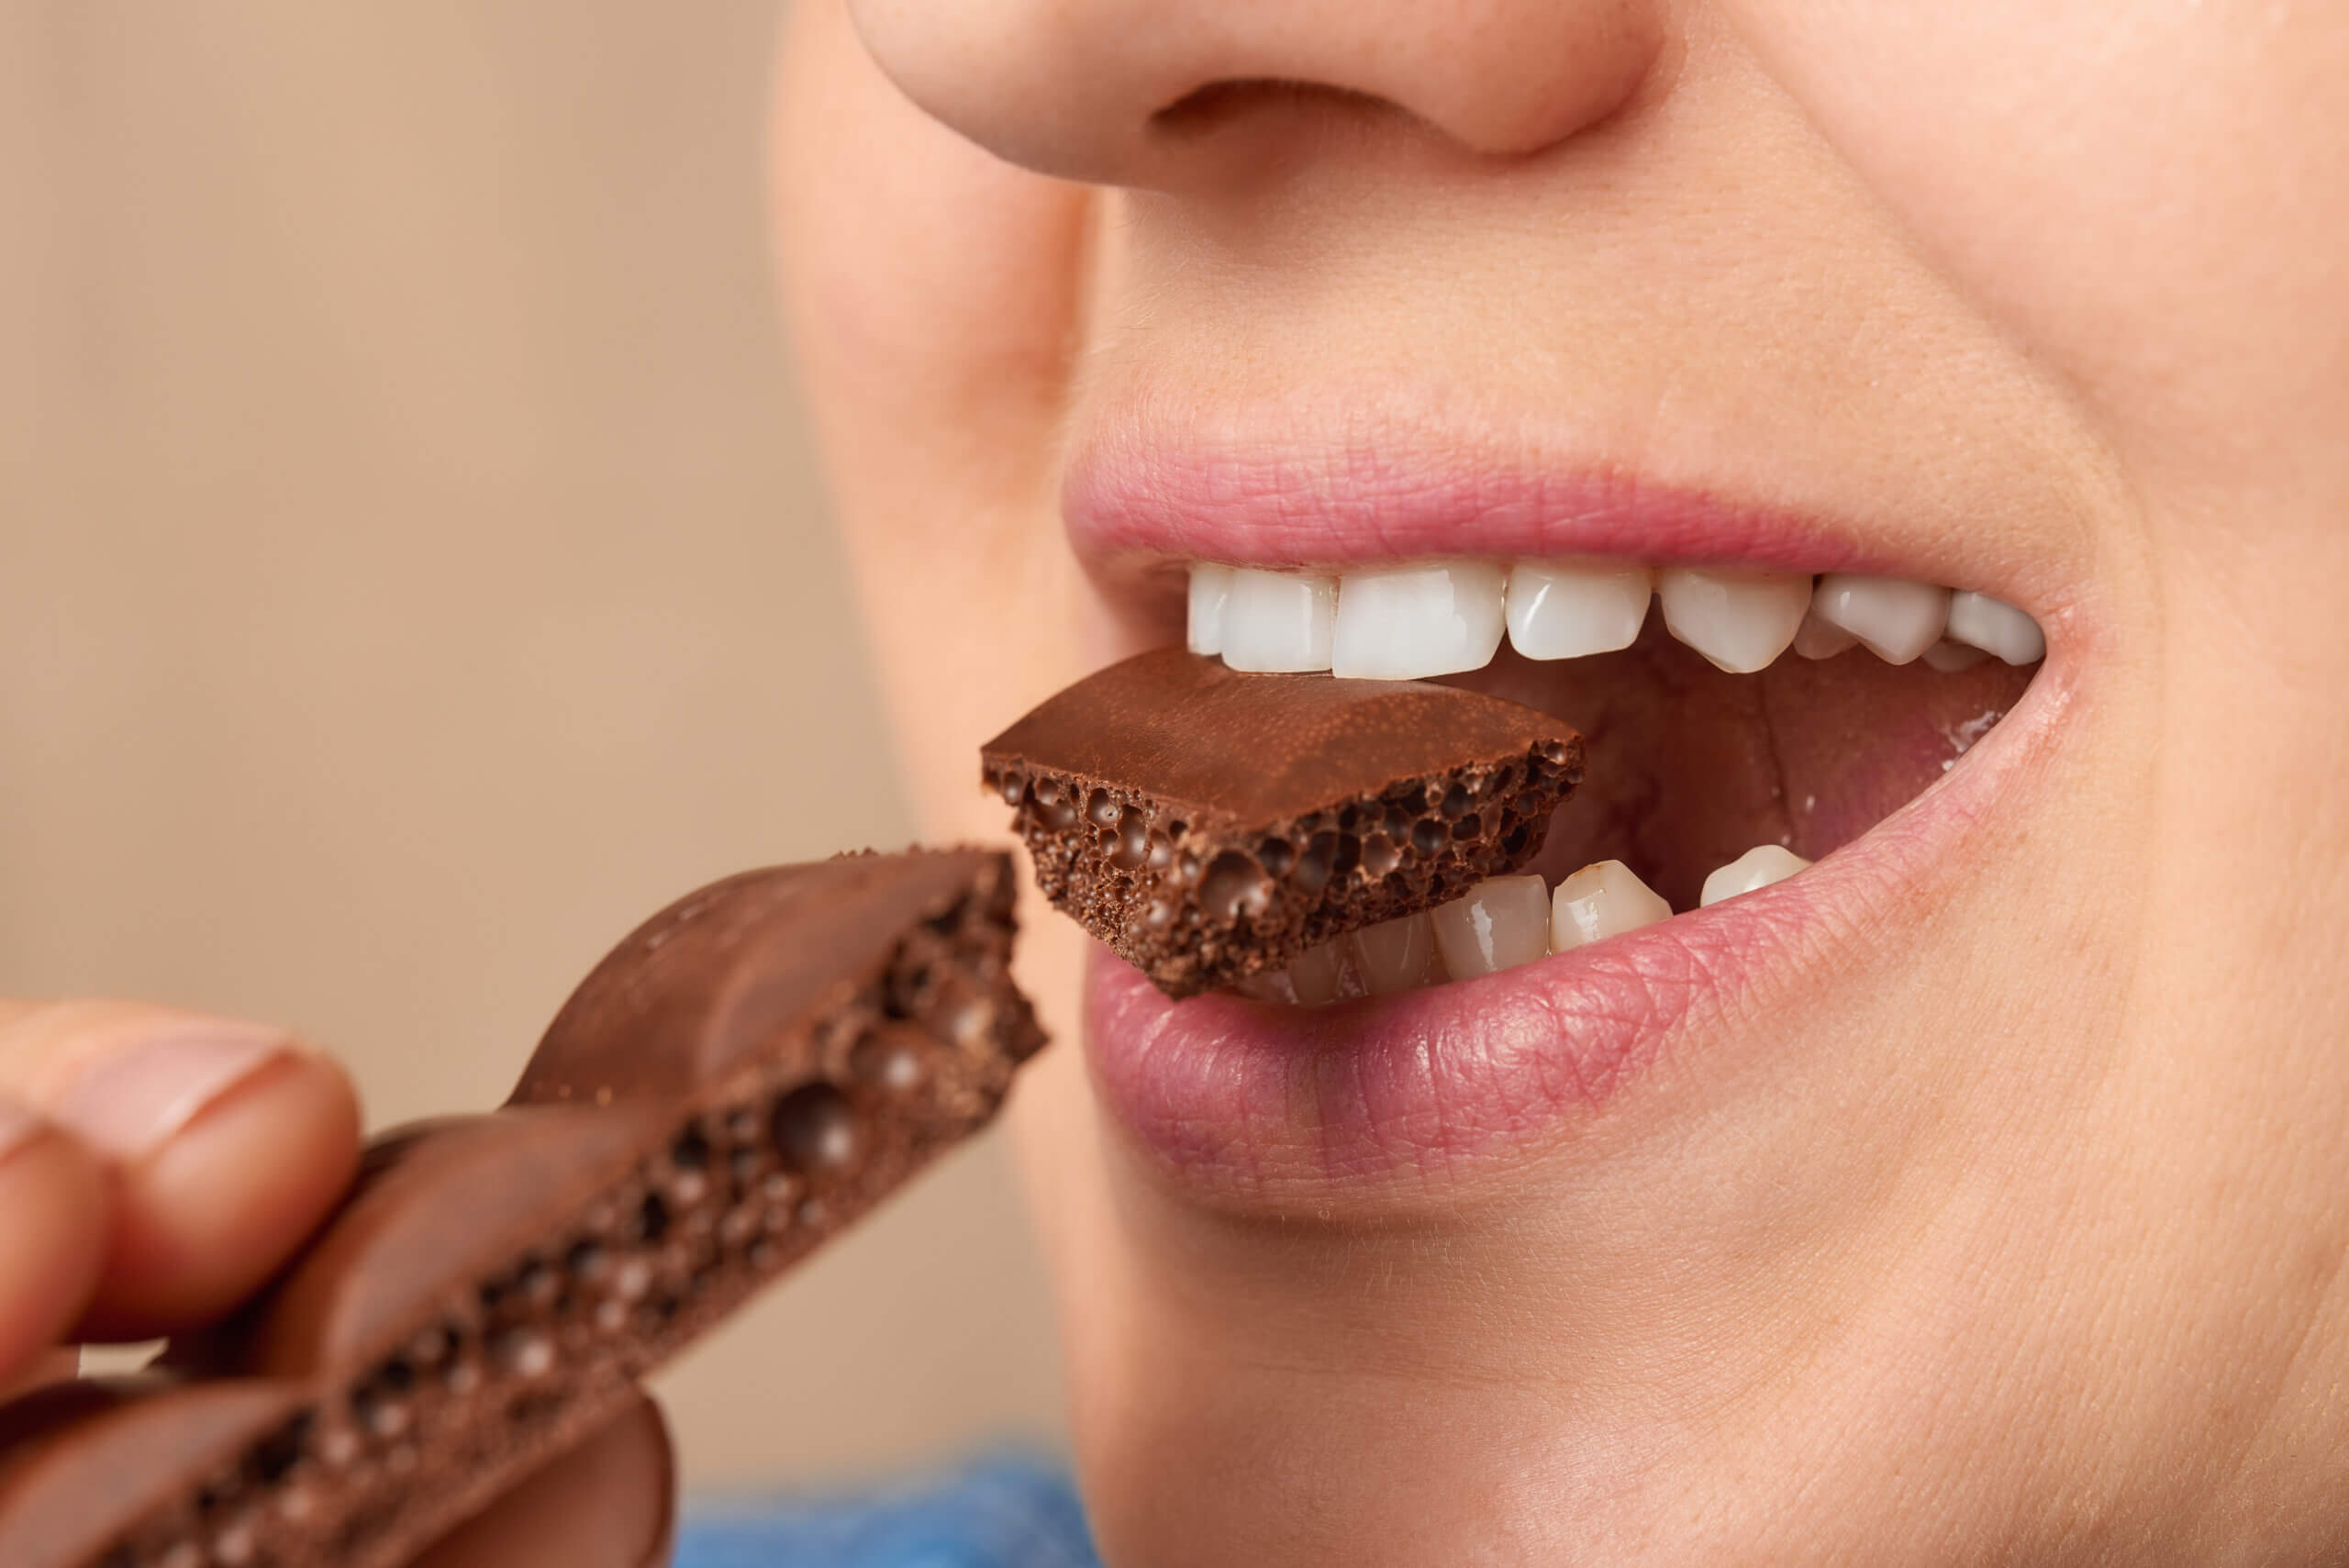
pixel 157 1166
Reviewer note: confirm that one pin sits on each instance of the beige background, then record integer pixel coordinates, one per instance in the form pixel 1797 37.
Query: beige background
pixel 412 572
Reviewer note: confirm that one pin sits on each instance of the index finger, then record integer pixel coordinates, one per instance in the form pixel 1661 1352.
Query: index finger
pixel 224 1143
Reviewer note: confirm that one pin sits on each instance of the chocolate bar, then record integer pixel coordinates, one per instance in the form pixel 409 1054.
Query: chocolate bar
pixel 741 1080
pixel 1209 825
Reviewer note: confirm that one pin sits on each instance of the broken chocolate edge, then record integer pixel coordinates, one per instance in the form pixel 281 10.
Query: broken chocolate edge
pixel 386 1521
pixel 1095 841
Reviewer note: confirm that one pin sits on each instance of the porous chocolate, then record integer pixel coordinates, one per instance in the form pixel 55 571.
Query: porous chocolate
pixel 741 1079
pixel 1209 825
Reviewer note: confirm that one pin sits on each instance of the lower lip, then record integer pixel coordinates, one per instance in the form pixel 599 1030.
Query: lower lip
pixel 1244 1100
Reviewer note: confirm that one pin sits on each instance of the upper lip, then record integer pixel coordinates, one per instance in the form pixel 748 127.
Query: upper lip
pixel 1144 491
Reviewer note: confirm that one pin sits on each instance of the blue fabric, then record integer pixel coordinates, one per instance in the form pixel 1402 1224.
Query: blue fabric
pixel 1000 1512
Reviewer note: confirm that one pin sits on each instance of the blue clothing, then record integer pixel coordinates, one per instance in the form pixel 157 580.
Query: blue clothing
pixel 1000 1512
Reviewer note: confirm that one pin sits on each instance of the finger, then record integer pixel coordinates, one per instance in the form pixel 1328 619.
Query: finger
pixel 226 1143
pixel 54 1229
pixel 609 1503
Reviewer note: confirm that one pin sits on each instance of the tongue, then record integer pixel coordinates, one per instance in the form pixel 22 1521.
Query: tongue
pixel 1688 767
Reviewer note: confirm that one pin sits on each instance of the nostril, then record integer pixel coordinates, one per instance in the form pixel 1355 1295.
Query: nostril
pixel 1126 92
pixel 1203 110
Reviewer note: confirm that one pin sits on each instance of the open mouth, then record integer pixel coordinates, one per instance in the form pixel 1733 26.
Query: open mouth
pixel 1741 724
pixel 1800 745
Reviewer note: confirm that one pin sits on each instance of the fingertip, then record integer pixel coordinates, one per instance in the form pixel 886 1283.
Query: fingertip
pixel 53 1235
pixel 206 1214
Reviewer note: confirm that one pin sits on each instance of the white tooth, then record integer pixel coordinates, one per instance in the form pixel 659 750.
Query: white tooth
pixel 1757 868
pixel 1268 985
pixel 1277 620
pixel 1951 657
pixel 1501 923
pixel 1395 955
pixel 1313 974
pixel 1898 618
pixel 1814 639
pixel 1560 611
pixel 1210 585
pixel 1739 620
pixel 1996 626
pixel 1414 621
pixel 1601 901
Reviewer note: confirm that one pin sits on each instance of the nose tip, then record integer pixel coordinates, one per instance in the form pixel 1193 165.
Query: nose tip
pixel 1112 90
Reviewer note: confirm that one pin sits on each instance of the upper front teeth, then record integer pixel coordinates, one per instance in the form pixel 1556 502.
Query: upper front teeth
pixel 1274 621
pixel 1739 620
pixel 1996 626
pixel 1210 586
pixel 1560 611
pixel 1411 622
pixel 1402 624
pixel 1895 617
pixel 1818 637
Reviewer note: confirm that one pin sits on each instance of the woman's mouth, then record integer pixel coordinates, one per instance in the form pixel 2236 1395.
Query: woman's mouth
pixel 1754 724
pixel 1782 771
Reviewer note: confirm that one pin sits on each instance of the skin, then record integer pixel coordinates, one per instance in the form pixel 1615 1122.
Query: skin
pixel 2027 1247
pixel 2026 1243
pixel 114 1231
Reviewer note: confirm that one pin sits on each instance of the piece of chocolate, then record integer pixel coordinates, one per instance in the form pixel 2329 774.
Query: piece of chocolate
pixel 1209 825
pixel 743 1077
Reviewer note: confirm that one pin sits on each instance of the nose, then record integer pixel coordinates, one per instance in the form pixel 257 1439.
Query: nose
pixel 1112 91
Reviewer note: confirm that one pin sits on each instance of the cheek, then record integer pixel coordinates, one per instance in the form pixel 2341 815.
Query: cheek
pixel 931 292
pixel 2147 195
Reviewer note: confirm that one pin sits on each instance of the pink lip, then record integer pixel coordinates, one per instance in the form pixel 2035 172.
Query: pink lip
pixel 1250 1101
pixel 1132 509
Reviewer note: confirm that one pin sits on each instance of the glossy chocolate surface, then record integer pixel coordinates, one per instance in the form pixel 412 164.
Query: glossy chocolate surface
pixel 1209 825
pixel 743 1078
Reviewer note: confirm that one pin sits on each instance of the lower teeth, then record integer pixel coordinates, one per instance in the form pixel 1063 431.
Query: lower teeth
pixel 1499 924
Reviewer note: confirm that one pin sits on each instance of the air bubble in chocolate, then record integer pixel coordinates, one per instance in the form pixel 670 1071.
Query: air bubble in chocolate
pixel 891 1062
pixel 973 1028
pixel 815 1128
pixel 632 1279
pixel 1232 881
pixel 1130 847
pixel 1316 866
pixel 1054 809
pixel 525 1352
